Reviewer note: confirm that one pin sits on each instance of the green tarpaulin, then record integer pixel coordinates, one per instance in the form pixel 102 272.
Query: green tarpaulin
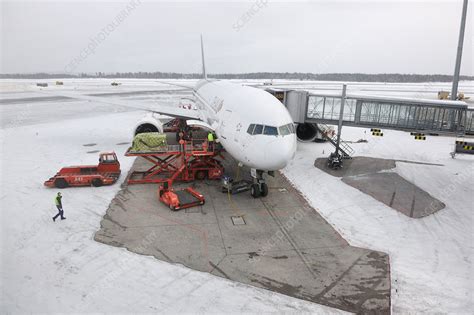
pixel 149 142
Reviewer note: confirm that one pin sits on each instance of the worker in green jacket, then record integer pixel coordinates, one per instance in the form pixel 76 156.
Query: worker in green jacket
pixel 59 205
pixel 210 140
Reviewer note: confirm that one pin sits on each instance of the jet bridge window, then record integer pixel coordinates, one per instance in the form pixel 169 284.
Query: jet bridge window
pixel 270 131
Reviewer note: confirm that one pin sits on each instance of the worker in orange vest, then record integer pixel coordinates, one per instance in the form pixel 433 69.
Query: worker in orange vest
pixel 59 205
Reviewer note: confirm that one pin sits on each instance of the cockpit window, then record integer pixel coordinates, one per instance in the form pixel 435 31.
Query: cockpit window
pixel 258 130
pixel 250 129
pixel 270 131
pixel 291 126
pixel 284 130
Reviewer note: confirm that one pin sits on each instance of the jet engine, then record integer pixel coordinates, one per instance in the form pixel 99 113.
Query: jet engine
pixel 152 122
pixel 307 132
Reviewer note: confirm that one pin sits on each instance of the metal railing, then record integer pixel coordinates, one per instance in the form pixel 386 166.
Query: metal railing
pixel 403 114
pixel 344 147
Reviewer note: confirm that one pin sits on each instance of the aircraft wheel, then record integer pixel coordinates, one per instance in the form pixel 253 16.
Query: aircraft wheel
pixel 61 183
pixel 97 182
pixel 255 190
pixel 264 189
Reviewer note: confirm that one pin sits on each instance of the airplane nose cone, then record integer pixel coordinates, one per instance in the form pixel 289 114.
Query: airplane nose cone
pixel 280 152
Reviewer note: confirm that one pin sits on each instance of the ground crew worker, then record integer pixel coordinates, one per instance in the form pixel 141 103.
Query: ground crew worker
pixel 210 140
pixel 59 205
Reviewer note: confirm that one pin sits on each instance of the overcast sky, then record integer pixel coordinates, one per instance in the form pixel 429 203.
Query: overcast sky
pixel 249 36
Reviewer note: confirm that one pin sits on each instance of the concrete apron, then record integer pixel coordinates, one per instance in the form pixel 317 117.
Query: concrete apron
pixel 277 243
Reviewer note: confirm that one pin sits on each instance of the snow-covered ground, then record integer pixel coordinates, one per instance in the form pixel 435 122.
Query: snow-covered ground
pixel 430 258
pixel 58 267
pixel 419 90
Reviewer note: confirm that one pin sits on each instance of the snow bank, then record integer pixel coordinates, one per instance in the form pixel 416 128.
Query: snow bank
pixel 431 258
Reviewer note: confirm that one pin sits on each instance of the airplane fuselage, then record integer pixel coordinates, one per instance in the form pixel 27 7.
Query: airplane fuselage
pixel 251 124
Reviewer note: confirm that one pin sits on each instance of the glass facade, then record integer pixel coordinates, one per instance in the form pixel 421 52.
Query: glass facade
pixel 398 115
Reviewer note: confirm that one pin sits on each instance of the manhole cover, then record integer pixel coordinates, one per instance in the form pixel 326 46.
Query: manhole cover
pixel 238 220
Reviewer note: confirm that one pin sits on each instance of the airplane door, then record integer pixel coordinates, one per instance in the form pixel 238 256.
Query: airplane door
pixel 232 126
pixel 238 132
pixel 245 138
pixel 225 122
pixel 236 129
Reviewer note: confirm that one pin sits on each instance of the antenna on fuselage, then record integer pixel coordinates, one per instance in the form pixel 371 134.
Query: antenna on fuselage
pixel 204 74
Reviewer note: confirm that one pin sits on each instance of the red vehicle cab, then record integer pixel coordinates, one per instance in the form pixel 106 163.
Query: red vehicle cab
pixel 105 173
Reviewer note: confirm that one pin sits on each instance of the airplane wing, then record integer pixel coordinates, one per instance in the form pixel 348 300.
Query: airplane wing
pixel 172 111
pixel 191 87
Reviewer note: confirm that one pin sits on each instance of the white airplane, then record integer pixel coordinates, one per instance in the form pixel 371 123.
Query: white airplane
pixel 252 125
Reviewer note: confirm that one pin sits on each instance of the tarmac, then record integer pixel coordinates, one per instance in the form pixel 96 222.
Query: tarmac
pixel 277 243
pixel 374 177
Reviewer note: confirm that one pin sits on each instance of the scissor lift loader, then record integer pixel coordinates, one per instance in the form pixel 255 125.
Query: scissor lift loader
pixel 187 161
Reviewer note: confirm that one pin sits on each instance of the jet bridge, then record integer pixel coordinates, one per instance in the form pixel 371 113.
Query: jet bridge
pixel 410 114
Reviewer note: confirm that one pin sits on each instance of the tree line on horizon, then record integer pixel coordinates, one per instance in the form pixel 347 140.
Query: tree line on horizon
pixel 357 77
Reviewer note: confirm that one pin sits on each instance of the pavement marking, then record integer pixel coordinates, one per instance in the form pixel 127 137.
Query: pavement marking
pixel 291 241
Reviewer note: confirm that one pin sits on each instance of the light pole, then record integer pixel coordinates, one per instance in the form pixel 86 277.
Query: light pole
pixel 457 68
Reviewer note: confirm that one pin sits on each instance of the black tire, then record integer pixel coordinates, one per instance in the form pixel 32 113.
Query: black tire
pixel 264 190
pixel 200 175
pixel 97 182
pixel 255 190
pixel 202 203
pixel 61 183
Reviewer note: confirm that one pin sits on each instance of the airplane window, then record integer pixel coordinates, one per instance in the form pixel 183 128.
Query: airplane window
pixel 258 130
pixel 250 130
pixel 284 130
pixel 291 126
pixel 270 131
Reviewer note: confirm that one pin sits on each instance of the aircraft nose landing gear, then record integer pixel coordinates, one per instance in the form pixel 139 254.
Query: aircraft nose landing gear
pixel 259 187
pixel 259 190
